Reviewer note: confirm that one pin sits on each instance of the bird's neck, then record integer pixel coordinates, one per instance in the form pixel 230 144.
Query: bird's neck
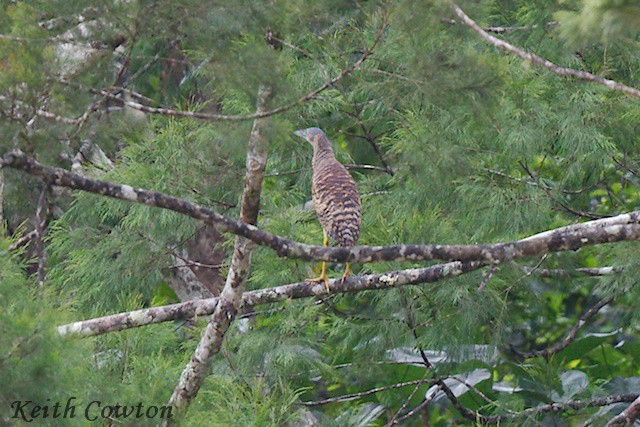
pixel 321 153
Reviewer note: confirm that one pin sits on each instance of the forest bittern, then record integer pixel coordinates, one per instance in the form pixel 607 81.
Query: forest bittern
pixel 335 197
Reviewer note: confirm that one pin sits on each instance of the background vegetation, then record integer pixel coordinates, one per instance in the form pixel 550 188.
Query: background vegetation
pixel 470 144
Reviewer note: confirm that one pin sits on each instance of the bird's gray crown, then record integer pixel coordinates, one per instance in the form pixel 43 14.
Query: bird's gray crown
pixel 317 139
pixel 309 133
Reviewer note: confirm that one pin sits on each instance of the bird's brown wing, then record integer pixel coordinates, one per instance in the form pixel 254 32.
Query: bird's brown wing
pixel 336 201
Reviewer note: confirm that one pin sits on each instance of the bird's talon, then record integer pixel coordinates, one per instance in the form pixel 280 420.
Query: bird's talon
pixel 347 273
pixel 319 279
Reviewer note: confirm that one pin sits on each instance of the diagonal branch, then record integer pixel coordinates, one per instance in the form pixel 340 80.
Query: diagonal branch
pixel 22 240
pixel 231 298
pixel 563 71
pixel 571 336
pixel 395 420
pixel 42 213
pixel 628 416
pixel 623 227
pixel 353 396
pixel 191 309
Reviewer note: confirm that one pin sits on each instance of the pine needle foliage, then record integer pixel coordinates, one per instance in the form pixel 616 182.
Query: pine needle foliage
pixel 468 143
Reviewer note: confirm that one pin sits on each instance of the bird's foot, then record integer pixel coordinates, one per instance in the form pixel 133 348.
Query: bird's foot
pixel 322 278
pixel 344 277
pixel 347 273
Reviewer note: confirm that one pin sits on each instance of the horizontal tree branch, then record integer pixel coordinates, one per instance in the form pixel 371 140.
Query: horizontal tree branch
pixel 622 227
pixel 41 112
pixel 559 407
pixel 56 39
pixel 563 71
pixel 559 272
pixel 191 309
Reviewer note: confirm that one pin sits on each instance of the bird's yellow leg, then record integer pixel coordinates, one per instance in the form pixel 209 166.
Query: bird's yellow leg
pixel 347 271
pixel 323 275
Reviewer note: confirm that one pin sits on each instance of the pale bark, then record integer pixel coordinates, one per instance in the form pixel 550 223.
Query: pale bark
pixel 559 272
pixel 184 282
pixel 90 152
pixel 628 417
pixel 191 309
pixel 42 212
pixel 623 227
pixel 563 71
pixel 2 197
pixel 230 300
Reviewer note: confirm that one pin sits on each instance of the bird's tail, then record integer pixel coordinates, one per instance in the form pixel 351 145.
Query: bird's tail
pixel 348 236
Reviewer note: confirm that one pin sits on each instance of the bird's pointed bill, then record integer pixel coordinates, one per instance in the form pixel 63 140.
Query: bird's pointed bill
pixel 301 132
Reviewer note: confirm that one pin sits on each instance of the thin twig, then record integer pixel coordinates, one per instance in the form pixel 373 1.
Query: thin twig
pixel 394 419
pixel 565 206
pixel 46 114
pixel 272 37
pixel 538 183
pixel 367 136
pixel 487 277
pixel 23 240
pixel 395 76
pixel 353 396
pixel 503 30
pixel 529 272
pixel 571 336
pixel 368 167
pixel 415 410
pixel 593 272
pixel 563 71
pixel 56 39
pixel 238 117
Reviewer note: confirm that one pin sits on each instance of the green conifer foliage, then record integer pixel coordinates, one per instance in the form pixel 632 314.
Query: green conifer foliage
pixel 450 140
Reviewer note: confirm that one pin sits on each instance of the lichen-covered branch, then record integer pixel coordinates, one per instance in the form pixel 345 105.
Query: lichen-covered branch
pixel 622 227
pixel 559 272
pixel 191 309
pixel 184 281
pixel 557 407
pixel 563 71
pixel 628 416
pixel 231 298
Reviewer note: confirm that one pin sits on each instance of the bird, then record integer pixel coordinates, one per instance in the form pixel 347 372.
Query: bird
pixel 335 197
